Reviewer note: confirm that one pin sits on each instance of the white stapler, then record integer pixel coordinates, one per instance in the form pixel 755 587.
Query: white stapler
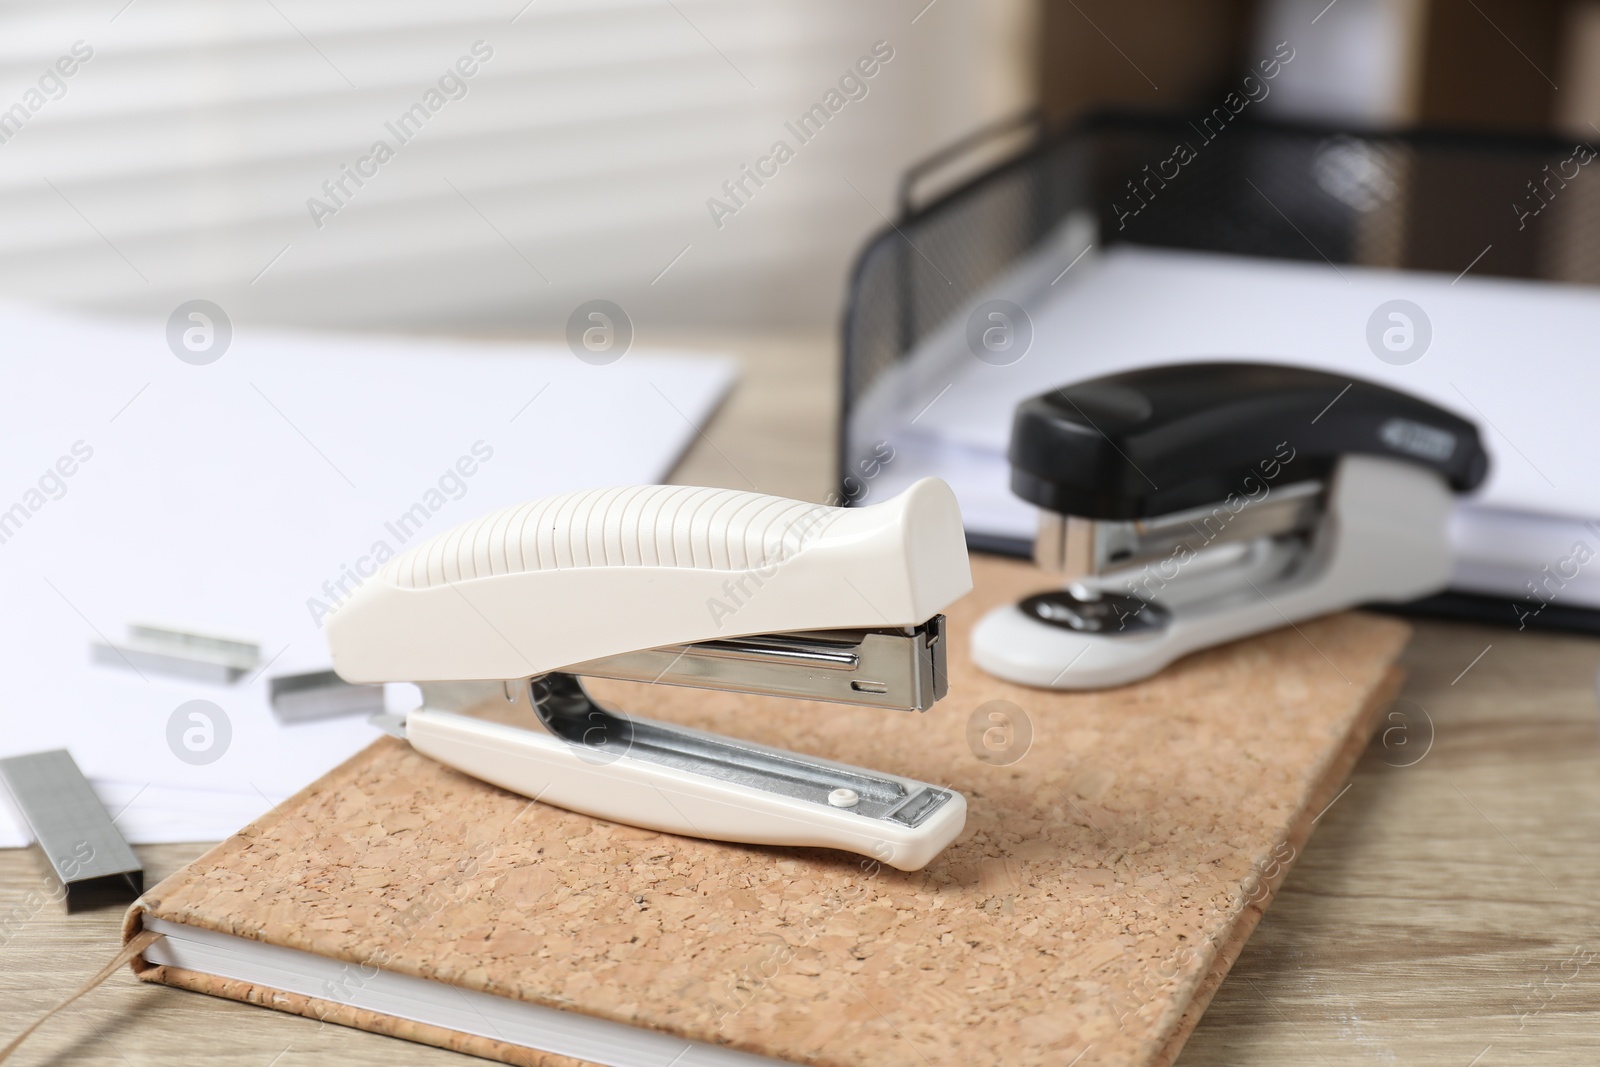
pixel 1189 505
pixel 680 586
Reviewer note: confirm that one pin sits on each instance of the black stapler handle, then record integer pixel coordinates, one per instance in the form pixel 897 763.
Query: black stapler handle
pixel 1161 439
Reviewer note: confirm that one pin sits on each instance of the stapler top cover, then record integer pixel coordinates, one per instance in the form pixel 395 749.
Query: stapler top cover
pixel 589 574
pixel 1101 448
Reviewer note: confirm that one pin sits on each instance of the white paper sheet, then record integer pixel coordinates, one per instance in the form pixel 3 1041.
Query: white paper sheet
pixel 236 497
pixel 1508 355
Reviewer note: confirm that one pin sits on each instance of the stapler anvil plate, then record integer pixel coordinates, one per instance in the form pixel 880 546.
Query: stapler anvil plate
pixel 675 585
pixel 1188 505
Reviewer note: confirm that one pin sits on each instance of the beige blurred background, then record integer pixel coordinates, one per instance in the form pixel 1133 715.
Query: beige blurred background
pixel 177 161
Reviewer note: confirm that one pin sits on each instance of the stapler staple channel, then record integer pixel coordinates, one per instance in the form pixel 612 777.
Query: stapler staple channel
pixel 1188 505
pixel 685 586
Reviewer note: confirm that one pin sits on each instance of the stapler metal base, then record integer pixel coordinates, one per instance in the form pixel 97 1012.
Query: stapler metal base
pixel 595 760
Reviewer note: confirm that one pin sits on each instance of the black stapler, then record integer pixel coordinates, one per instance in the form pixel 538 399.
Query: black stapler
pixel 1191 504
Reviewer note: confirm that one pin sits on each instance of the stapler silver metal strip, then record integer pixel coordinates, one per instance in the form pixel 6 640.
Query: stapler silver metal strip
pixel 683 586
pixel 1188 505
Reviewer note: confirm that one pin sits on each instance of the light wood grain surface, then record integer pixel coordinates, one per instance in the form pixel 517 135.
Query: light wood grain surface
pixel 1443 913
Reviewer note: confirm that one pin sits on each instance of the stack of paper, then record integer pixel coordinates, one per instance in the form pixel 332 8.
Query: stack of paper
pixel 248 496
pixel 1507 355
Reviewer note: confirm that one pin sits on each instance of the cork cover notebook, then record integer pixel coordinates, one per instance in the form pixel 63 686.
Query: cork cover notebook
pixel 1119 849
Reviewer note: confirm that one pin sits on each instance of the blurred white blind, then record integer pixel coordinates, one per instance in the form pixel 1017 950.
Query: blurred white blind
pixel 177 160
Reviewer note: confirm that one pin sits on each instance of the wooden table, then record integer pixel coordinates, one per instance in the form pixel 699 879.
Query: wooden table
pixel 1444 909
